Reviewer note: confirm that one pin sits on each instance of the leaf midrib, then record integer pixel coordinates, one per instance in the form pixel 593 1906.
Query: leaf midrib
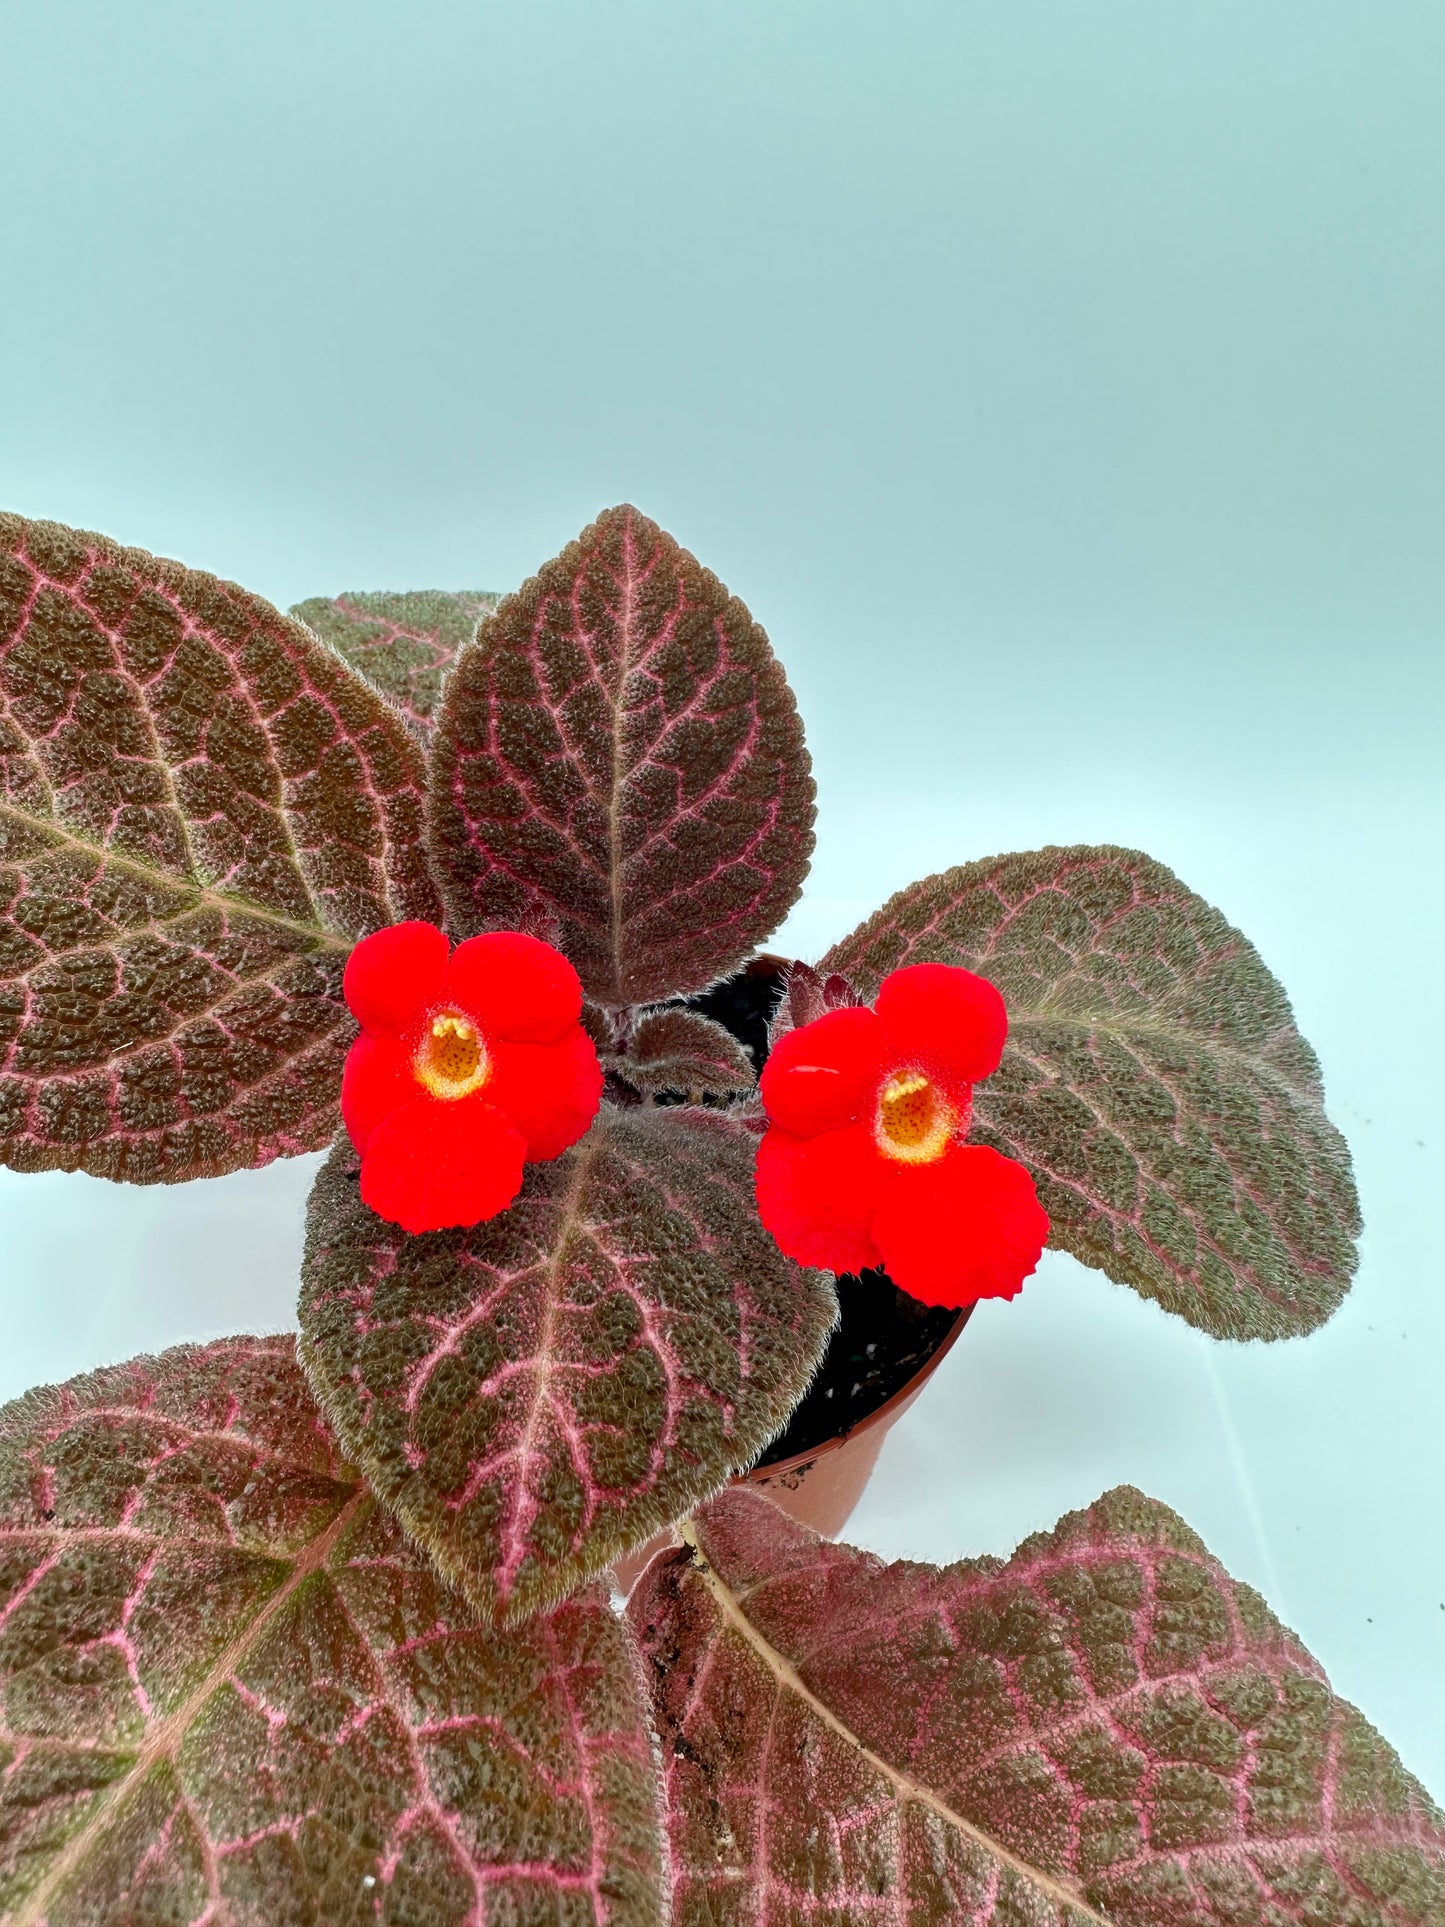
pixel 1127 1025
pixel 161 1742
pixel 517 1533
pixel 614 803
pixel 317 936
pixel 788 1677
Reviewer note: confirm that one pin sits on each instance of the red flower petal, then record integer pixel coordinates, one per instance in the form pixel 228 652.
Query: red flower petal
pixel 945 1020
pixel 394 976
pixel 968 1226
pixel 515 986
pixel 430 1165
pixel 376 1081
pixel 824 1074
pixel 550 1091
pixel 816 1196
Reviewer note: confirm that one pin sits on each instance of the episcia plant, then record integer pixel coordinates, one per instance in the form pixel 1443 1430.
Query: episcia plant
pixel 322 1630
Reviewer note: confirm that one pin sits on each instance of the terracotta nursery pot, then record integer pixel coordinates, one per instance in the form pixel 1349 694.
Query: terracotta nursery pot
pixel 821 1486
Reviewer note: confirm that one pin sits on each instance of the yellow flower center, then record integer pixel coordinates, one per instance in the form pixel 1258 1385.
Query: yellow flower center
pixel 451 1060
pixel 914 1122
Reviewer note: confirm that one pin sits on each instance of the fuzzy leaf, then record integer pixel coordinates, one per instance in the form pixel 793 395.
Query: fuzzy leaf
pixel 402 644
pixel 619 757
pixel 200 808
pixel 231 1693
pixel 806 997
pixel 1107 1729
pixel 540 1394
pixel 1154 1082
pixel 679 1050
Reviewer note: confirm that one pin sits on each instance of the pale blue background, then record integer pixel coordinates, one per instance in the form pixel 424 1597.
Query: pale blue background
pixel 1060 384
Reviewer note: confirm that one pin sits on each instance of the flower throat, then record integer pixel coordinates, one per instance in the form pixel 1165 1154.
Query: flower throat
pixel 451 1060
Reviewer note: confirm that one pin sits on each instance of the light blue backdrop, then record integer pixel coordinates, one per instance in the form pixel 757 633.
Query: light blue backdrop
pixel 1062 387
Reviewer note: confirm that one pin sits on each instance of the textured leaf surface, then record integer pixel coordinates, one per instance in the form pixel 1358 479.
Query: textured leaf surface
pixel 200 808
pixel 678 1050
pixel 403 644
pixel 1154 1082
pixel 540 1394
pixel 807 996
pixel 619 752
pixel 231 1693
pixel 1106 1729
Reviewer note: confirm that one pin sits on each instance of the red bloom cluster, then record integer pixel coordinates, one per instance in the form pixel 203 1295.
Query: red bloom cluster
pixel 467 1066
pixel 864 1162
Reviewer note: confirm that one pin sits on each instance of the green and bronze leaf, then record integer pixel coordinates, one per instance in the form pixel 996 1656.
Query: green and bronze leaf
pixel 403 644
pixel 201 808
pixel 1154 1082
pixel 686 1054
pixel 540 1394
pixel 618 759
pixel 231 1692
pixel 1106 1731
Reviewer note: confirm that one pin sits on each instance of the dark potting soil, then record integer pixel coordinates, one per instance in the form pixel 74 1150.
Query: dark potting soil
pixel 744 1004
pixel 884 1337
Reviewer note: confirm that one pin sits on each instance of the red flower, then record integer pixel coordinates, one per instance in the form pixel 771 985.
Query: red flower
pixel 864 1162
pixel 466 1067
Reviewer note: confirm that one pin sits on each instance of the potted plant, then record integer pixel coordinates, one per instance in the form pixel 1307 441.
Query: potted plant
pixel 322 1630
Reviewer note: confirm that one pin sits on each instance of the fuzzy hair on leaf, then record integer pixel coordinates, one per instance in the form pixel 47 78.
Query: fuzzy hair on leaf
pixel 682 1051
pixel 1154 1083
pixel 540 1394
pixel 1105 1731
pixel 403 644
pixel 231 1691
pixel 619 751
pixel 201 808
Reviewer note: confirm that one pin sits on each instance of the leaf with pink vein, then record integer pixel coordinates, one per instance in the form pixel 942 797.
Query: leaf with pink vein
pixel 538 1395
pixel 1107 1731
pixel 231 1693
pixel 200 809
pixel 403 644
pixel 618 759
pixel 682 1051
pixel 1154 1082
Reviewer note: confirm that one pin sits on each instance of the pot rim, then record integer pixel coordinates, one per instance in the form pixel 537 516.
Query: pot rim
pixel 880 1415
